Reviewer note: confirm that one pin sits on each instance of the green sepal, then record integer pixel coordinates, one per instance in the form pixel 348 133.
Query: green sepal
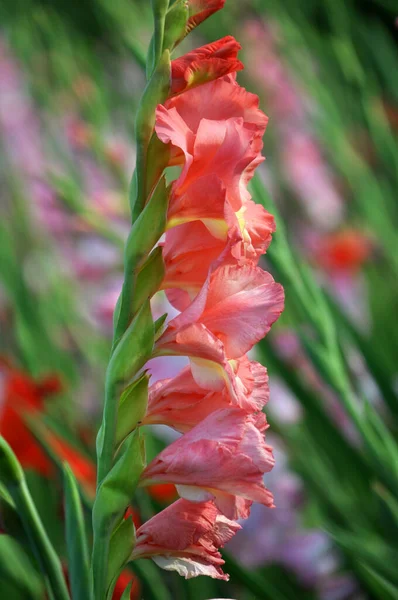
pixel 156 92
pixel 16 568
pixel 175 26
pixel 132 407
pixel 149 226
pixel 159 325
pixel 133 350
pixel 117 489
pixel 116 312
pixel 149 278
pixel 76 543
pixel 158 156
pixel 121 546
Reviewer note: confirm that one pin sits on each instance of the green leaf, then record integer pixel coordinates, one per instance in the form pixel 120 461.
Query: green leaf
pixel 78 559
pixel 133 350
pixel 372 550
pixel 120 549
pixel 11 472
pixel 12 476
pixel 389 500
pixel 158 325
pixel 149 278
pixel 18 569
pixel 155 93
pixel 153 585
pixel 251 581
pixel 381 586
pixel 132 407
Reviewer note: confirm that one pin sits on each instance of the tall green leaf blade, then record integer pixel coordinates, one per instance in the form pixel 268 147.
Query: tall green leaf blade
pixel 76 543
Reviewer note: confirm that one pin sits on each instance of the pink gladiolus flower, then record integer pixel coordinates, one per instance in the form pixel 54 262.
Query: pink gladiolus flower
pixel 205 64
pixel 185 537
pixel 190 250
pixel 205 200
pixel 231 296
pixel 223 458
pixel 216 129
pixel 181 403
pixel 185 273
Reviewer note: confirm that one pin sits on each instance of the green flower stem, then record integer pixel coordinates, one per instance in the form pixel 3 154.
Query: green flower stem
pixel 155 92
pixel 12 476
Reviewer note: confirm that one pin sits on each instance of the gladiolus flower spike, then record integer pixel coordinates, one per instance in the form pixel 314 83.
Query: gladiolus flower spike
pixel 211 236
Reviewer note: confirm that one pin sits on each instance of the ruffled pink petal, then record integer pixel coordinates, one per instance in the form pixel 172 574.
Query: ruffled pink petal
pixel 228 149
pixel 222 134
pixel 239 295
pixel 171 128
pixel 188 251
pixel 205 64
pixel 231 296
pixel 186 537
pixel 207 457
pixel 219 100
pixel 252 384
pixel 204 201
pixel 181 403
pixel 256 228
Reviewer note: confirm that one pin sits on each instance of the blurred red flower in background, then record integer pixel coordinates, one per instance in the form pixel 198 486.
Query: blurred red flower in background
pixel 21 397
pixel 21 394
pixel 346 250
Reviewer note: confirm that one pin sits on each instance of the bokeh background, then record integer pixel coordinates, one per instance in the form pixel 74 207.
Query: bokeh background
pixel 71 74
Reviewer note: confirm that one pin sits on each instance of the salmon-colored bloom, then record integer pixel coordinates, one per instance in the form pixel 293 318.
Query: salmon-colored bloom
pixel 205 64
pixel 215 129
pixel 189 251
pixel 250 228
pixel 201 243
pixel 181 403
pixel 223 458
pixel 231 296
pixel 186 538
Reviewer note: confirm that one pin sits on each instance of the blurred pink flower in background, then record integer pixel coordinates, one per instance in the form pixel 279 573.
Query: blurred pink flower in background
pixel 303 166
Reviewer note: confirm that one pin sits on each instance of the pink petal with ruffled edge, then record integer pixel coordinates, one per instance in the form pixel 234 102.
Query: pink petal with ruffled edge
pixel 186 537
pixel 231 296
pixel 206 459
pixel 181 403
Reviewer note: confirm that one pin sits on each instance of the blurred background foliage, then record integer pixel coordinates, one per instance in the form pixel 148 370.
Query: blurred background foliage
pixel 326 72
